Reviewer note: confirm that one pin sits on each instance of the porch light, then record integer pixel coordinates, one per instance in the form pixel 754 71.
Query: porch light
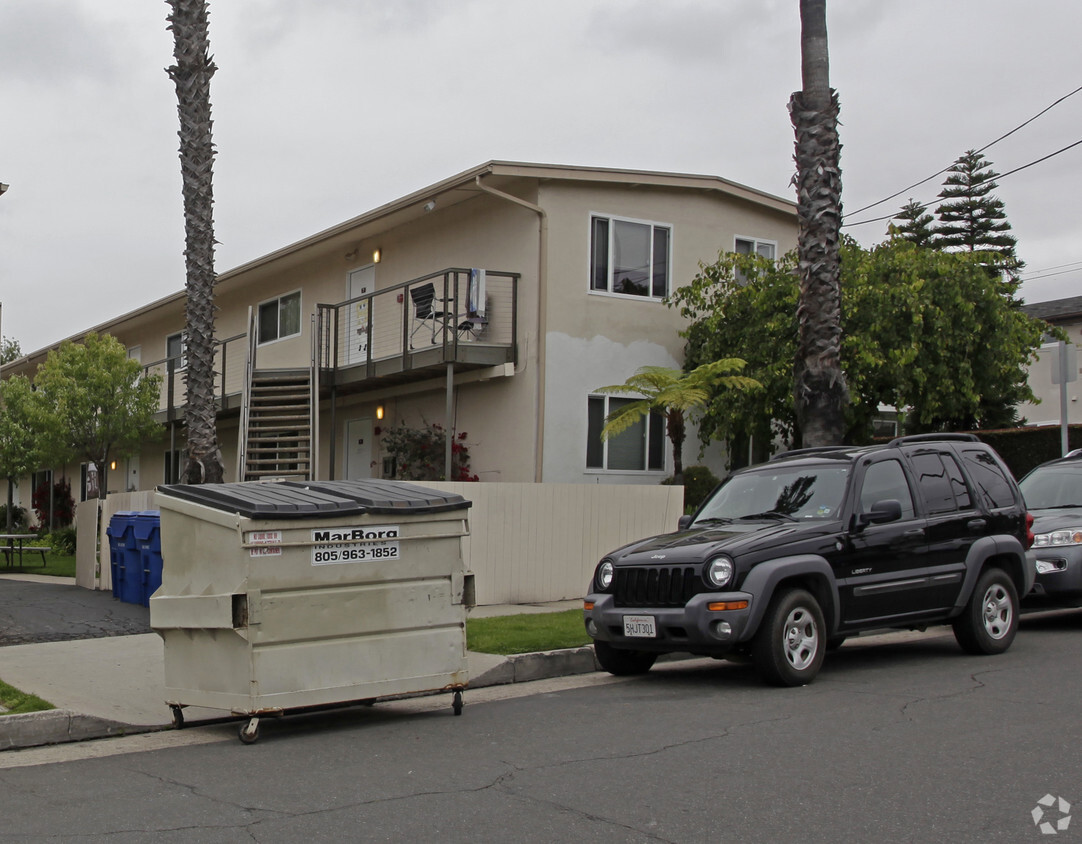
pixel 379 411
pixel 376 255
pixel 112 466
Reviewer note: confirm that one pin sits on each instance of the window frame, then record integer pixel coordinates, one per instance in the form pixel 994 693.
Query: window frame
pixel 653 428
pixel 277 300
pixel 755 242
pixel 182 359
pixel 654 225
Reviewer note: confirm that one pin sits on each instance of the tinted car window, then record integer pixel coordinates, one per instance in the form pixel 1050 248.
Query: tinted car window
pixel 992 486
pixel 958 483
pixel 802 492
pixel 934 483
pixel 884 480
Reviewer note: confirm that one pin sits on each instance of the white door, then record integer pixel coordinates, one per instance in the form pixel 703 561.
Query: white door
pixel 358 449
pixel 361 282
pixel 131 484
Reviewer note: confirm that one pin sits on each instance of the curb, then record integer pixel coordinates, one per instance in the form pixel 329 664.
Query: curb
pixel 542 665
pixel 56 726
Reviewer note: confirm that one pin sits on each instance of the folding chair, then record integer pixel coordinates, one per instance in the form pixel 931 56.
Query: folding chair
pixel 424 297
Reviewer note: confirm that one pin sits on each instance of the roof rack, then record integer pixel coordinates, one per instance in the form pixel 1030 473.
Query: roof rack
pixel 803 452
pixel 931 438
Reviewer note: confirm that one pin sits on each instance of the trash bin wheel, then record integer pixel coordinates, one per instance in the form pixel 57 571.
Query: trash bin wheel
pixel 249 731
pixel 178 717
pixel 456 703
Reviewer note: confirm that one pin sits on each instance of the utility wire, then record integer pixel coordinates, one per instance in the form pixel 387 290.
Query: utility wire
pixel 948 167
pixel 998 176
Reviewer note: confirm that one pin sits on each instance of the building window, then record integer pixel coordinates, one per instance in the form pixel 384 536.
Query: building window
pixel 751 246
pixel 640 448
pixel 176 349
pixel 280 318
pixel 174 465
pixel 629 257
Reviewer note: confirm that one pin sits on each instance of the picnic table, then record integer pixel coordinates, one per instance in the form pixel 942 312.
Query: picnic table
pixel 12 544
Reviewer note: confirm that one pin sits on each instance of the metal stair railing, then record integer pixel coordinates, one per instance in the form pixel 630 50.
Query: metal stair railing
pixel 246 399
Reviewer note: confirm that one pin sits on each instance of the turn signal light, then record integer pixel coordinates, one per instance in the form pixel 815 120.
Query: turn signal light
pixel 587 605
pixel 720 606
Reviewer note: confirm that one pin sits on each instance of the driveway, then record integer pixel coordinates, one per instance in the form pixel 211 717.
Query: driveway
pixel 59 612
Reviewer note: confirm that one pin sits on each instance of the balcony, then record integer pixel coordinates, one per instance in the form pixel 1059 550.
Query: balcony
pixel 411 331
pixel 229 362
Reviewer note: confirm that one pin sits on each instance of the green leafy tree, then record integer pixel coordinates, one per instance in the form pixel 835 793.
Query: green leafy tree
pixel 94 403
pixel 928 333
pixel 191 75
pixel 19 434
pixel 972 218
pixel 915 224
pixel 9 350
pixel 675 395
pixel 819 385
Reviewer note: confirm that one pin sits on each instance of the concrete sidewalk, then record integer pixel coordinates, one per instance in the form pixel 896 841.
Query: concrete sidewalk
pixel 116 685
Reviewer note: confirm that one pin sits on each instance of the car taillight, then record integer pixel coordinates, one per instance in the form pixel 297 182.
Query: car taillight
pixel 1029 531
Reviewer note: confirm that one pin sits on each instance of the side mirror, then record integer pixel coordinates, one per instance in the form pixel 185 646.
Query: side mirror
pixel 887 510
pixel 683 523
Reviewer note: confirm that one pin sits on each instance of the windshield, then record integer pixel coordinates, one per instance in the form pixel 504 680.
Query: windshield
pixel 1053 486
pixel 794 492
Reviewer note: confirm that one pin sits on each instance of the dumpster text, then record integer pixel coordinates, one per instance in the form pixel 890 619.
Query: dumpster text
pixel 354 545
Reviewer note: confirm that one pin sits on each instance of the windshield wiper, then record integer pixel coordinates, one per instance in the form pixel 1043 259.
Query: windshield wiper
pixel 1060 507
pixel 767 514
pixel 713 520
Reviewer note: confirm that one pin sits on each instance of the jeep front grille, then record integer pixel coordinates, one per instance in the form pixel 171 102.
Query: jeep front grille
pixel 657 586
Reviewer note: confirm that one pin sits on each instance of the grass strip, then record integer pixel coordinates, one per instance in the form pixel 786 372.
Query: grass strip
pixel 15 702
pixel 527 633
pixel 56 565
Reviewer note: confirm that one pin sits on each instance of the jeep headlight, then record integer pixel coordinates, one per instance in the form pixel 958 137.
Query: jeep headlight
pixel 719 571
pixel 1068 536
pixel 604 575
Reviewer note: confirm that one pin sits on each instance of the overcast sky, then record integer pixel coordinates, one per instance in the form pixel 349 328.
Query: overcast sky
pixel 325 109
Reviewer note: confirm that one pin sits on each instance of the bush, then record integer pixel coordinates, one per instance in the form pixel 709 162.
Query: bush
pixel 699 481
pixel 19 520
pixel 61 540
pixel 418 453
pixel 63 505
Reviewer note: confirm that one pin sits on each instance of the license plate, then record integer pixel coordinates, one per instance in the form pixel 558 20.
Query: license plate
pixel 640 626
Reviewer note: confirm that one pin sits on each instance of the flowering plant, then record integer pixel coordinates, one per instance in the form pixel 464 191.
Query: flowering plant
pixel 418 454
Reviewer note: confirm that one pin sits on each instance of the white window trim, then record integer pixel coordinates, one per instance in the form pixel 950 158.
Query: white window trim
pixel 182 361
pixel 590 256
pixel 755 241
pixel 279 298
pixel 663 472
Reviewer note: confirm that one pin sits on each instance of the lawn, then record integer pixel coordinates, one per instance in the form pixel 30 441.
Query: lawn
pixel 56 565
pixel 16 702
pixel 520 634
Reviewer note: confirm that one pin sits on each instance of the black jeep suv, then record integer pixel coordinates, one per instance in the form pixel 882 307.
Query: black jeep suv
pixel 786 559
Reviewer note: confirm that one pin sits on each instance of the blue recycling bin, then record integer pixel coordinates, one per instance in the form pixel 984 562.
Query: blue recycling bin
pixel 123 556
pixel 148 538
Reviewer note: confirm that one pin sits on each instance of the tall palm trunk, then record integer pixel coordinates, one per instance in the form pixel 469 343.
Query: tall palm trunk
pixel 819 383
pixel 191 74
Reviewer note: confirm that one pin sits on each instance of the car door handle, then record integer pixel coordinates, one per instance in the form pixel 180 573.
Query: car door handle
pixel 914 532
pixel 976 525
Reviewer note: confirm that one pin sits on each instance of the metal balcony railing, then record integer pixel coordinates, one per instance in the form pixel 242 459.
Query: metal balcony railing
pixel 229 362
pixel 457 313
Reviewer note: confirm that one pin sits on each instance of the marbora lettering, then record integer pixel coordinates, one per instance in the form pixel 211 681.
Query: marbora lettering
pixel 359 534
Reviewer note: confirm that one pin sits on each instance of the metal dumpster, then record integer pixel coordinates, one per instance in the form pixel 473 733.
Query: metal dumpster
pixel 287 595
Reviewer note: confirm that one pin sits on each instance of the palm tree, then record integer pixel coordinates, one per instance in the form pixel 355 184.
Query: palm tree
pixel 819 384
pixel 191 74
pixel 674 394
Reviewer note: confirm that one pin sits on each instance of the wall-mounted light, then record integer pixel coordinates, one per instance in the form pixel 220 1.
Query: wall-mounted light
pixel 430 205
pixel 379 411
pixel 376 255
pixel 112 466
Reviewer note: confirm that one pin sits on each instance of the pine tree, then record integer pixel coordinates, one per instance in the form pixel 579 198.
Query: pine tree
pixel 915 225
pixel 972 218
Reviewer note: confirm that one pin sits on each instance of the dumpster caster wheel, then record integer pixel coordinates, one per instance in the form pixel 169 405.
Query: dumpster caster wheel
pixel 249 732
pixel 178 717
pixel 456 703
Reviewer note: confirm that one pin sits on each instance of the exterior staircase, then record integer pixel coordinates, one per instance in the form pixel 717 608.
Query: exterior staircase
pixel 277 431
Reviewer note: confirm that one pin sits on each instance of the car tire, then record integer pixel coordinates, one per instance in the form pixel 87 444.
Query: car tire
pixel 623 663
pixel 990 620
pixel 789 646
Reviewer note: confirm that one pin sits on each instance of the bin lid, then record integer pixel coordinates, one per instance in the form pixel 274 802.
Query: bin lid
pixel 317 499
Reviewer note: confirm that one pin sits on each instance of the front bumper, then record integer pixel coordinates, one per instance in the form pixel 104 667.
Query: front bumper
pixel 1059 572
pixel 693 628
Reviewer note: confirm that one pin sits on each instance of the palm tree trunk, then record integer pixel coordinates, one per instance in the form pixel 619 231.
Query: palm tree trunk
pixel 677 431
pixel 191 74
pixel 819 384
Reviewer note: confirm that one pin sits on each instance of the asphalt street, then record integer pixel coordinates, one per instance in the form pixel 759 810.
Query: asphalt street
pixel 56 612
pixel 907 740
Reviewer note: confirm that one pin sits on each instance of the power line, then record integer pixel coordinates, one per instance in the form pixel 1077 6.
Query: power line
pixel 998 176
pixel 948 167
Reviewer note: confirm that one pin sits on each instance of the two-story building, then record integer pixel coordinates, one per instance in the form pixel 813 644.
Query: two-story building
pixel 492 303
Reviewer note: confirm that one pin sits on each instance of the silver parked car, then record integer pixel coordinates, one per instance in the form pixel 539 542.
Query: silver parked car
pixel 1053 493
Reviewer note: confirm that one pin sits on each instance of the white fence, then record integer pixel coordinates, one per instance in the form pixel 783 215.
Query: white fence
pixel 528 542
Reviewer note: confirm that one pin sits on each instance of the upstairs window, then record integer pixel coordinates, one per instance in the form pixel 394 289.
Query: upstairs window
pixel 640 448
pixel 752 246
pixel 280 318
pixel 176 349
pixel 630 257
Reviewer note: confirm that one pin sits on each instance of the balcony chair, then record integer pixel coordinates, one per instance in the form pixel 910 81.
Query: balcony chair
pixel 424 315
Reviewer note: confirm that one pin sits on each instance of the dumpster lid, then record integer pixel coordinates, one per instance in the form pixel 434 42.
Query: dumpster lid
pixel 317 499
